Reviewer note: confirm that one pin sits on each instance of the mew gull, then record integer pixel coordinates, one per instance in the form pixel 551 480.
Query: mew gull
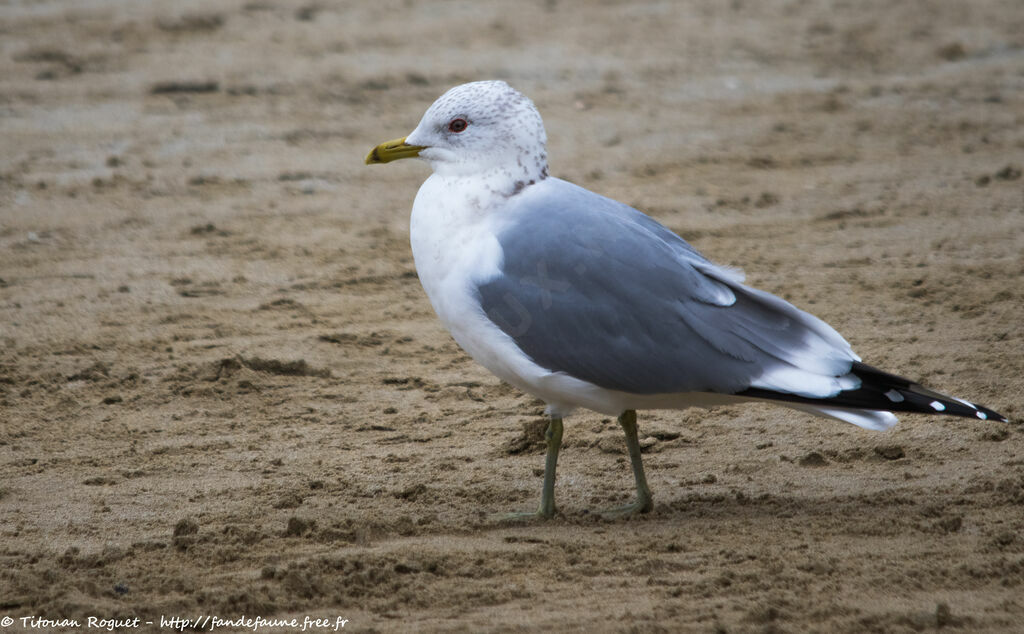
pixel 586 302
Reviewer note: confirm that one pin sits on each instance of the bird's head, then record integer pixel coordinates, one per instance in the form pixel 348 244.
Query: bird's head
pixel 475 128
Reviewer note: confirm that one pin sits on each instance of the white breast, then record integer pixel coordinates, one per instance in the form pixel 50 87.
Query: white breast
pixel 453 244
pixel 455 247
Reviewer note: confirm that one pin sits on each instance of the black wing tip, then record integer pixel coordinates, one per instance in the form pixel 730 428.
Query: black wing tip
pixel 918 398
pixel 980 412
pixel 990 414
pixel 926 401
pixel 885 392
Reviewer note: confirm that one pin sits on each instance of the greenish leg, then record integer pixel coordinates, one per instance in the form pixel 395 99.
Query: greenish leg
pixel 553 436
pixel 644 501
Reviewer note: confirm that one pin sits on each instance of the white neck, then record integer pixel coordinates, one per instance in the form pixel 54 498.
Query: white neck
pixel 499 181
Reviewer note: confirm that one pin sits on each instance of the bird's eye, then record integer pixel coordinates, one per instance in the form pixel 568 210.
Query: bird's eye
pixel 457 125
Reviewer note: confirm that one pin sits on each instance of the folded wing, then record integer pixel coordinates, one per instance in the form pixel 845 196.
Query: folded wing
pixel 597 290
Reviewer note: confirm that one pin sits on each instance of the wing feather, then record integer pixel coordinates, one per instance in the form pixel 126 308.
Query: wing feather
pixel 597 290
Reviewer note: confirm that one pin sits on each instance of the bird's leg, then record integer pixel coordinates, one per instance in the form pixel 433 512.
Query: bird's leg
pixel 553 436
pixel 644 502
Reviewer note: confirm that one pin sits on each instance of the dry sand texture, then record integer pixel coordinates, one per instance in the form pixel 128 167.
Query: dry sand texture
pixel 223 392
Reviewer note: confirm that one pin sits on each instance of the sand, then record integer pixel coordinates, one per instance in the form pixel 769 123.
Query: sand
pixel 223 392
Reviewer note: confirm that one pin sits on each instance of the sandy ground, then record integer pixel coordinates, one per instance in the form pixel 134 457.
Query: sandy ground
pixel 224 393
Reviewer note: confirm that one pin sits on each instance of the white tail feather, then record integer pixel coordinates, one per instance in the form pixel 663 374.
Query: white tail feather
pixel 866 418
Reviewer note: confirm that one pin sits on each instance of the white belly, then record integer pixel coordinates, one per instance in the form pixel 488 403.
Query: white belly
pixel 455 249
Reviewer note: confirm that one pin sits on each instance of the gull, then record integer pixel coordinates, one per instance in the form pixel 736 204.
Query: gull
pixel 585 302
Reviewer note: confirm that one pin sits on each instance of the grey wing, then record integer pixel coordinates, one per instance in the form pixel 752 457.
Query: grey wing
pixel 597 290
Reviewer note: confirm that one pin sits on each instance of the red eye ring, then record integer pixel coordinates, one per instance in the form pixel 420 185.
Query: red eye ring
pixel 458 125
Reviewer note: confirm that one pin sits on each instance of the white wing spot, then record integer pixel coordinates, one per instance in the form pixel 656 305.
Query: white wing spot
pixel 937 406
pixel 981 415
pixel 894 396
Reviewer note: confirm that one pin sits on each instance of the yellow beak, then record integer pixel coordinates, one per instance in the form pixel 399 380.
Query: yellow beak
pixel 392 151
